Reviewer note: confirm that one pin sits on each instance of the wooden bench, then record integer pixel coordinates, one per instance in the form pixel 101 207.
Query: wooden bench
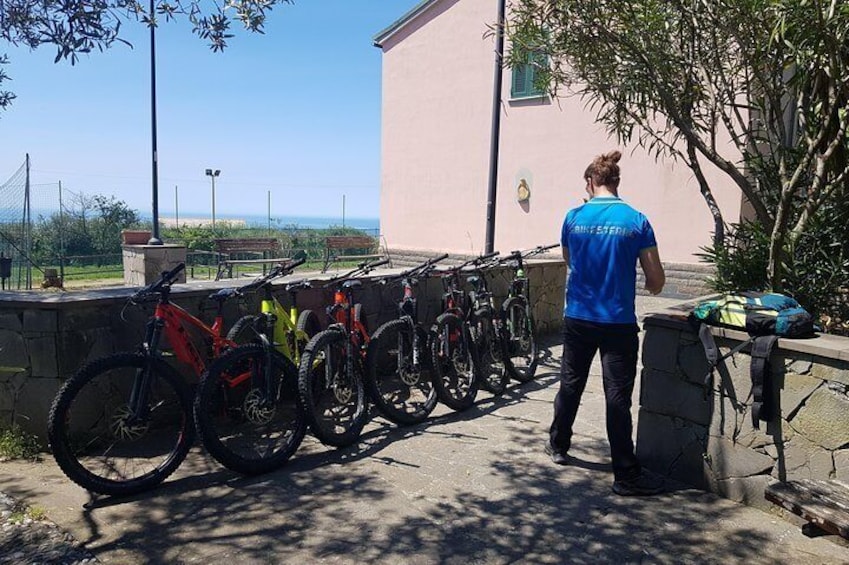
pixel 351 248
pixel 825 504
pixel 230 250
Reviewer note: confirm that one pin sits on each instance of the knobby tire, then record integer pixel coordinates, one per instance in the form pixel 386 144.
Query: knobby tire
pixel 522 353
pixel 333 400
pixel 489 349
pixel 402 392
pixel 243 427
pixel 454 367
pixel 97 442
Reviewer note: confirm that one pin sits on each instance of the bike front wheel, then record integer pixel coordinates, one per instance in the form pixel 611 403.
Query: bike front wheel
pixel 247 412
pixel 399 377
pixel 489 348
pixel 522 354
pixel 331 389
pixel 105 439
pixel 454 367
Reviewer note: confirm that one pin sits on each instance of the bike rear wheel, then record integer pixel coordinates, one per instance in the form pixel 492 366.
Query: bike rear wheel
pixel 244 330
pixel 249 425
pixel 331 389
pixel 104 443
pixel 522 353
pixel 489 348
pixel 400 385
pixel 454 367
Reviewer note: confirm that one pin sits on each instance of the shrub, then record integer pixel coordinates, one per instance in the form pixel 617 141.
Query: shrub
pixel 15 443
pixel 817 270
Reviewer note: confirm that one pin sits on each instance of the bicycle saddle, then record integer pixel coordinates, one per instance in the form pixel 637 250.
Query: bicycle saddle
pixel 223 295
pixel 353 283
pixel 298 284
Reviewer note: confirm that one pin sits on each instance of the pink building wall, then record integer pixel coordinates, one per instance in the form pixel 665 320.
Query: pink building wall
pixel 436 124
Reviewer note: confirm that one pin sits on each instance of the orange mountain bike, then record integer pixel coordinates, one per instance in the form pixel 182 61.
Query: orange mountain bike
pixel 331 377
pixel 123 423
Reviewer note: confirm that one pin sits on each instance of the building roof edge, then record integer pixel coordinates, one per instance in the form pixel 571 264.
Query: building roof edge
pixel 401 22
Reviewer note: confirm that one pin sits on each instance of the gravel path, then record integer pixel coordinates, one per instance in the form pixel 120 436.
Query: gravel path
pixel 25 540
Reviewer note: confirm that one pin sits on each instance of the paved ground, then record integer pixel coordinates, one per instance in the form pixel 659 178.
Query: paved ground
pixel 463 488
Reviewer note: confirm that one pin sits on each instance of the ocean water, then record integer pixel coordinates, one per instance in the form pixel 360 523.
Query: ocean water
pixel 278 221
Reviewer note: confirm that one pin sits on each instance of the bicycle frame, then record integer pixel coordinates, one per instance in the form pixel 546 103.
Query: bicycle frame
pixel 408 309
pixel 345 315
pixel 520 285
pixel 285 333
pixel 175 322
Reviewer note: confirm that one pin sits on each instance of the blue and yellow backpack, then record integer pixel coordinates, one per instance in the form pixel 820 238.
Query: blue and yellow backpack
pixel 765 317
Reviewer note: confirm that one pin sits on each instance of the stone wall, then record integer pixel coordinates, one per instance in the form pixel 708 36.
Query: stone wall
pixel 46 337
pixel 144 263
pixel 709 440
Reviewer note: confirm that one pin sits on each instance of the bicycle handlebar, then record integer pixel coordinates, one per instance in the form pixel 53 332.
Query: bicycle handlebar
pixel 480 260
pixel 362 269
pixel 530 252
pixel 279 270
pixel 166 279
pixel 420 269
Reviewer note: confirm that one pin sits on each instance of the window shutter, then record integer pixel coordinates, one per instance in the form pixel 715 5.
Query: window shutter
pixel 520 80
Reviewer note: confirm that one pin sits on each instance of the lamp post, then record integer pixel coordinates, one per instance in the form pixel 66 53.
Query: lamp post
pixel 496 131
pixel 154 240
pixel 212 174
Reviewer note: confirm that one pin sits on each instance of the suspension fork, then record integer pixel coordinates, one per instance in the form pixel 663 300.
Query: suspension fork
pixel 415 343
pixel 143 381
pixel 268 346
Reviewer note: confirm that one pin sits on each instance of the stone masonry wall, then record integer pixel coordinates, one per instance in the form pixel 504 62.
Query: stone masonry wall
pixel 710 442
pixel 46 337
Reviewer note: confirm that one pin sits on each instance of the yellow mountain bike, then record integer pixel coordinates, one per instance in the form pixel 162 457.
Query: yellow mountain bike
pixel 246 408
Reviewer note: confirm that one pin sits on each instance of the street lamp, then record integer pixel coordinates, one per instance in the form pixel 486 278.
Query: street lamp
pixel 212 174
pixel 154 239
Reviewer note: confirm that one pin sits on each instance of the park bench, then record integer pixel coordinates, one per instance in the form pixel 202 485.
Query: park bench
pixel 825 504
pixel 351 248
pixel 231 252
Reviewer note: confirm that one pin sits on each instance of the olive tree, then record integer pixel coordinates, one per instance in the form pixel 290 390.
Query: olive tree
pixel 756 88
pixel 83 26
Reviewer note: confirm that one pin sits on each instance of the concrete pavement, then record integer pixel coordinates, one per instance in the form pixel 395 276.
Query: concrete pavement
pixel 473 487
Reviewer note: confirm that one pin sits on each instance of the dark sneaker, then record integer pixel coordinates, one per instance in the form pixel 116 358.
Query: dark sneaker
pixel 644 484
pixel 557 456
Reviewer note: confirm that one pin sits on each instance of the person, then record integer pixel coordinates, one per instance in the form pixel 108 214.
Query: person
pixel 601 242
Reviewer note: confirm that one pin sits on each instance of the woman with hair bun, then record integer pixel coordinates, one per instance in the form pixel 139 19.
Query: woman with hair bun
pixel 602 240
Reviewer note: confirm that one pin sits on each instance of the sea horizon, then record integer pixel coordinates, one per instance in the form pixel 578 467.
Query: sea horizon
pixel 255 220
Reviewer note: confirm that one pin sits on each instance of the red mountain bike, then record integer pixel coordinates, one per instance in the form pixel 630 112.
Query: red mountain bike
pixel 123 423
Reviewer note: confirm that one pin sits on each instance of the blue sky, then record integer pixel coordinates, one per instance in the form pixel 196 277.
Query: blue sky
pixel 295 111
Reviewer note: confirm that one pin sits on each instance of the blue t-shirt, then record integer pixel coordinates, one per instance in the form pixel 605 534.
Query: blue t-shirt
pixel 604 238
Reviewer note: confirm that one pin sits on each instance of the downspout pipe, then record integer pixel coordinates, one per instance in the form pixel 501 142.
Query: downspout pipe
pixel 496 130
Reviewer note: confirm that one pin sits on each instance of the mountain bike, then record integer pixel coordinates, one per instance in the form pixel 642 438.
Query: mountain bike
pixel 123 423
pixel 452 350
pixel 522 354
pixel 489 338
pixel 288 330
pixel 331 385
pixel 400 373
pixel 246 408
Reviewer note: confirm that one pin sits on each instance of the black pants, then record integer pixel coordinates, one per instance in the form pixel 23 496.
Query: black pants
pixel 618 344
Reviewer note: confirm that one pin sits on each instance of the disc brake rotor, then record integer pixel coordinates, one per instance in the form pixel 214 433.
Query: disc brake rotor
pixel 122 429
pixel 257 410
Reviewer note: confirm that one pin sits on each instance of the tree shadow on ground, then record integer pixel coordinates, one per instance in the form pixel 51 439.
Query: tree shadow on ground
pixel 471 487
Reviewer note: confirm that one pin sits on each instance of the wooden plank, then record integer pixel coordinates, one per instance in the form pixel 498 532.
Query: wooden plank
pixel 254 261
pixel 823 503
pixel 357 257
pixel 236 245
pixel 349 242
